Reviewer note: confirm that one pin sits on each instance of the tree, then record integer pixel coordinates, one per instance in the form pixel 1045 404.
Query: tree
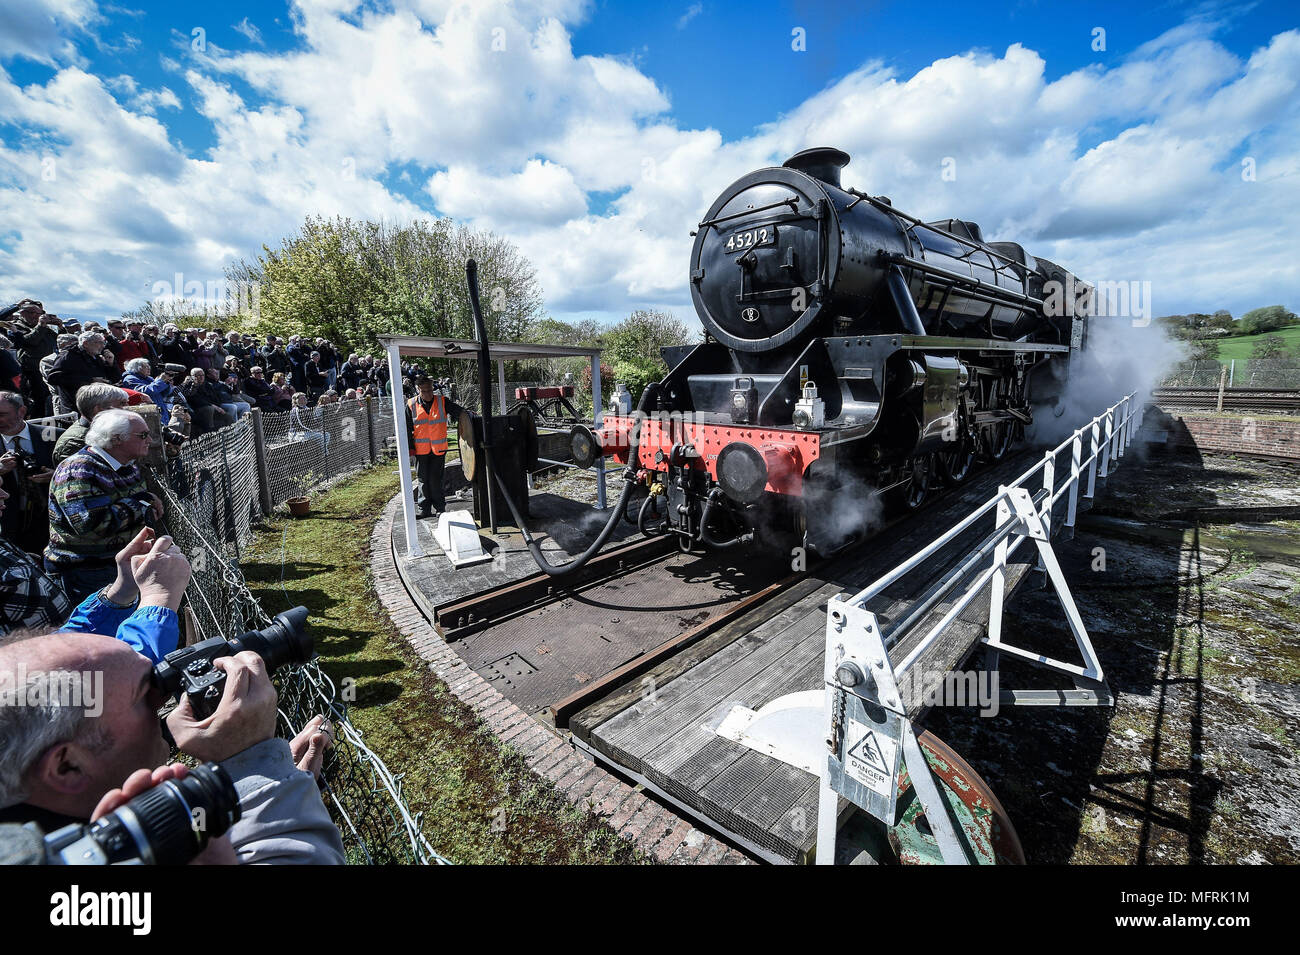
pixel 1266 319
pixel 633 346
pixel 1273 346
pixel 350 281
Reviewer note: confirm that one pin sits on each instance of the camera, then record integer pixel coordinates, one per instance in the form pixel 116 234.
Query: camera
pixel 168 825
pixel 189 670
pixel 27 465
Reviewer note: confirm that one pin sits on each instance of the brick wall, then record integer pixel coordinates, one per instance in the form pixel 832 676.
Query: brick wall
pixel 1260 436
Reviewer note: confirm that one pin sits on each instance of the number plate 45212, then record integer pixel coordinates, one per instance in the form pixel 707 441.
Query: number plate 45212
pixel 740 241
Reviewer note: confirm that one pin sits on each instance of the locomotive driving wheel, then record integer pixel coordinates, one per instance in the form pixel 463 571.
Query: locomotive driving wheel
pixel 998 440
pixel 954 466
pixel 917 489
pixel 982 824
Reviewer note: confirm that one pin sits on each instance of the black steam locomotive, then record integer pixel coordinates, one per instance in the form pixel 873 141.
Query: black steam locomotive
pixel 852 353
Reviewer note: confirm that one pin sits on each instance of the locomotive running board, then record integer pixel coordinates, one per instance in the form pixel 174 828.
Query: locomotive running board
pixel 861 714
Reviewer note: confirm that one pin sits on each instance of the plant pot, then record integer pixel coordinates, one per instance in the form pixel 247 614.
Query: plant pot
pixel 299 506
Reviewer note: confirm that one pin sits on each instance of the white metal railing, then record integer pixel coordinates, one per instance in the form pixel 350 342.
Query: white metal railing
pixel 54 420
pixel 1118 436
pixel 1118 423
pixel 861 697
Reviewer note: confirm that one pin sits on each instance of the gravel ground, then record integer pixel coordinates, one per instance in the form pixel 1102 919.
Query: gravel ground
pixel 1197 625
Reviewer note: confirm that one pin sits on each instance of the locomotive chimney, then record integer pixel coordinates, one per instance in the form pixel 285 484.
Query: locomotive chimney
pixel 820 162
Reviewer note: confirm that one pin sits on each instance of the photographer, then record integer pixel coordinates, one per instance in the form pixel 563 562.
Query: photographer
pixel 167 395
pixel 133 345
pixel 34 333
pixel 61 763
pixel 273 357
pixel 26 466
pixel 174 349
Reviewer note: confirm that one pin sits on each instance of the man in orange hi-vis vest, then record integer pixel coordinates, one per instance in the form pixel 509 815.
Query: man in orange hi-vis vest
pixel 427 417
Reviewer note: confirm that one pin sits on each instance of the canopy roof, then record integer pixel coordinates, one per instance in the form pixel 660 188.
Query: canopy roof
pixel 463 348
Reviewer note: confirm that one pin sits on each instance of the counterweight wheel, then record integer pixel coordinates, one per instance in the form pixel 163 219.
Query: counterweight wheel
pixel 979 818
pixel 998 440
pixel 955 466
pixel 916 490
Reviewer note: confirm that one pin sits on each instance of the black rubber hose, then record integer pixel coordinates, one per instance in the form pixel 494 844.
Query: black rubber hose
pixel 705 514
pixel 536 551
pixel 642 516
pixel 627 516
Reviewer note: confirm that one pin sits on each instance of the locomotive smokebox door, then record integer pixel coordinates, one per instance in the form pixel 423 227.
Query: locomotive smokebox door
pixel 514 443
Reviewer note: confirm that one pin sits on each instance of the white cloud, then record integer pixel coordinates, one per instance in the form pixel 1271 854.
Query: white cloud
pixel 542 194
pixel 1130 170
pixel 42 30
pixel 249 30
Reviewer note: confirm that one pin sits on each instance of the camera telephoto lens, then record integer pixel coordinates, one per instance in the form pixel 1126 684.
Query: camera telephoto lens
pixel 285 641
pixel 172 822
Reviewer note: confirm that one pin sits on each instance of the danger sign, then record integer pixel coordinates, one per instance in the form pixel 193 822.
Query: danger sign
pixel 869 757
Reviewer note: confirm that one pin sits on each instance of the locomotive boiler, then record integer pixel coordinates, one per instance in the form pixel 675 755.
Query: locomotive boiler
pixel 852 355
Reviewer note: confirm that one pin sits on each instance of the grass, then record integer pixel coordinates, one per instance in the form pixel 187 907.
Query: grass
pixel 480 802
pixel 1240 348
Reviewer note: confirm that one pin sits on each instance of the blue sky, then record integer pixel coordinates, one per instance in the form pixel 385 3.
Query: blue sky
pixel 133 148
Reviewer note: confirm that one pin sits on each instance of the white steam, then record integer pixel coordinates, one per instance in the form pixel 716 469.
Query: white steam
pixel 1120 357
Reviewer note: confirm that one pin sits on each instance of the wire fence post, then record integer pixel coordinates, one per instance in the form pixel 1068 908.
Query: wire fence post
pixel 263 472
pixel 370 429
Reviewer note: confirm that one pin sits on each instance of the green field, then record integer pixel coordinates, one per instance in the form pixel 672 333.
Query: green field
pixel 1239 348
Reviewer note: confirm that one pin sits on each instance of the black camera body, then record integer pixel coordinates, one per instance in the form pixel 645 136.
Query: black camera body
pixel 189 670
pixel 169 824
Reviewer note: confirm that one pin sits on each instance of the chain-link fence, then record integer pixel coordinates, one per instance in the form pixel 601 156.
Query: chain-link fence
pixel 1236 373
pixel 212 496
pixel 307 447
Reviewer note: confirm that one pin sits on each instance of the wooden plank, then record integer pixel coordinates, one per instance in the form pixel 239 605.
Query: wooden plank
pixel 796 667
pixel 759 657
pixel 690 697
pixel 847 573
pixel 585 722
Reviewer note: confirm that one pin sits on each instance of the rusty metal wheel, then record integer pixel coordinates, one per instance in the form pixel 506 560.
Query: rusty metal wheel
pixel 981 821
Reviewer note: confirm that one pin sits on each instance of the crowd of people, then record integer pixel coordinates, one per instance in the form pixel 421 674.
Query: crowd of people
pixel 210 376
pixel 88 579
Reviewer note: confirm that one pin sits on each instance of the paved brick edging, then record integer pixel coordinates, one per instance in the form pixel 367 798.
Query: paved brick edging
pixel 656 831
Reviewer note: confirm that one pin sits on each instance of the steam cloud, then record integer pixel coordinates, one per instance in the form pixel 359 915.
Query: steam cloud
pixel 1118 358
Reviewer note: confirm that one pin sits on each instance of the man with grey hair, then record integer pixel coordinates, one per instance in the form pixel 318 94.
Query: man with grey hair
pixel 99 502
pixel 82 365
pixel 60 762
pixel 91 400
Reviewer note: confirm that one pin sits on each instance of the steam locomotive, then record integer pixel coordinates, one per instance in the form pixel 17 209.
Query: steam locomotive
pixel 852 354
